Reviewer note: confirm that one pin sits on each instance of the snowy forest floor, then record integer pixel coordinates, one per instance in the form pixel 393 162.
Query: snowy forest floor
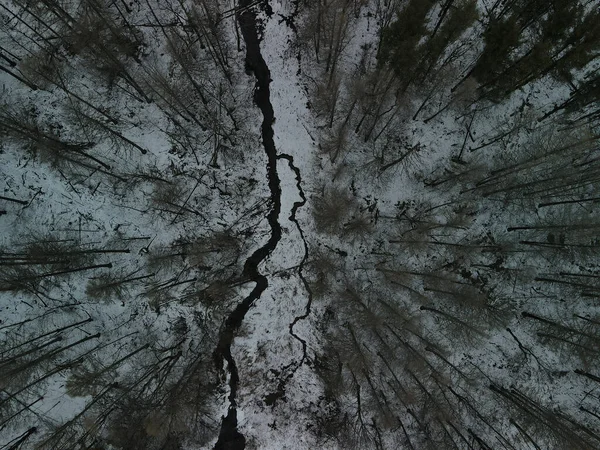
pixel 396 259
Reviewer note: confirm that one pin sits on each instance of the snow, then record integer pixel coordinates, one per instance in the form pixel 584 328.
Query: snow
pixel 90 210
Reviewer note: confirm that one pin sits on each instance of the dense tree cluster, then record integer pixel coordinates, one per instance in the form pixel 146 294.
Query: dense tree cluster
pixel 119 134
pixel 458 316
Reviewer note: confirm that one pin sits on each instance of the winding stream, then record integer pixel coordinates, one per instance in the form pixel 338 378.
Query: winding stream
pixel 291 368
pixel 229 436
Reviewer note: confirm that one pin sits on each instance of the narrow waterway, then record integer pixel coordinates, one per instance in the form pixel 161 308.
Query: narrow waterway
pixel 229 436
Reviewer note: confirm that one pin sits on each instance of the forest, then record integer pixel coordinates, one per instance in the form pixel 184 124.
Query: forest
pixel 283 224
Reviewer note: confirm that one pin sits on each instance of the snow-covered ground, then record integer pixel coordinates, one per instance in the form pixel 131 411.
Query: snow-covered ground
pixel 429 289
